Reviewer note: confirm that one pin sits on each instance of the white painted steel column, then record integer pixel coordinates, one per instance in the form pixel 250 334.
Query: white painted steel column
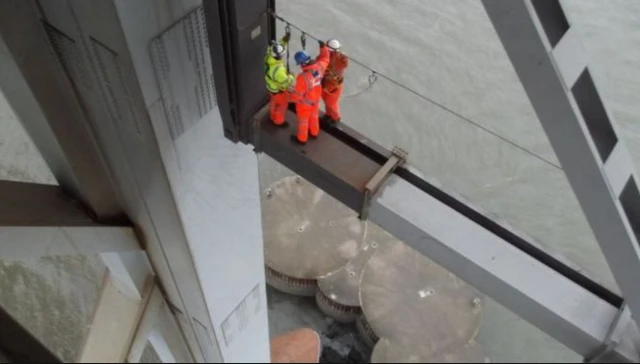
pixel 552 64
pixel 214 182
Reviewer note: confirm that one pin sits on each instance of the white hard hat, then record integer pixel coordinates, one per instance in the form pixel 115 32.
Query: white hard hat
pixel 278 50
pixel 333 44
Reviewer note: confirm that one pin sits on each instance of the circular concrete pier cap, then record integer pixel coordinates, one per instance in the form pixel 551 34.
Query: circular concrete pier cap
pixel 307 233
pixel 408 299
pixel 339 292
pixel 386 351
pixel 294 286
pixel 366 333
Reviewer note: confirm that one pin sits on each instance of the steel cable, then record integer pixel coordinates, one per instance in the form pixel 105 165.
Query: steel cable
pixel 418 94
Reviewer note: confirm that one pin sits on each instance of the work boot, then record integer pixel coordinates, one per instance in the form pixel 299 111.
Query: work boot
pixel 325 121
pixel 329 122
pixel 313 136
pixel 294 138
pixel 282 126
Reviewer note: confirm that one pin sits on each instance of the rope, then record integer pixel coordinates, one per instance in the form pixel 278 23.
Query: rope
pixel 423 97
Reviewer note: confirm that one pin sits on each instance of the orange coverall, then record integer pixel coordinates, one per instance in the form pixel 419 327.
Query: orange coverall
pixel 307 94
pixel 332 84
pixel 278 106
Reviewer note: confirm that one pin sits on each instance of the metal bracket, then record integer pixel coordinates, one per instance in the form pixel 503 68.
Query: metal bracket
pixel 397 158
pixel 611 340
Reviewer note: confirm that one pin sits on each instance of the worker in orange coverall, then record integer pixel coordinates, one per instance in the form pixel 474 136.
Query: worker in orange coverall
pixel 308 91
pixel 332 82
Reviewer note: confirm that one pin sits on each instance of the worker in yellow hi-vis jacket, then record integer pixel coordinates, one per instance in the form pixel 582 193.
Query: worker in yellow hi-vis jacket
pixel 278 80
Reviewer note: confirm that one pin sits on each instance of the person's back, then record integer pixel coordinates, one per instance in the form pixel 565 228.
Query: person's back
pixel 334 76
pixel 317 71
pixel 314 76
pixel 308 91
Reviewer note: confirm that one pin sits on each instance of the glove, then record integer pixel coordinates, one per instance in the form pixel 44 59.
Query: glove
pixel 286 38
pixel 322 43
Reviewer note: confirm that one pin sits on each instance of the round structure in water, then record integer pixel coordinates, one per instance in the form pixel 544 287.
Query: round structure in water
pixel 386 351
pixel 307 233
pixel 290 285
pixel 413 302
pixel 365 331
pixel 339 292
pixel 340 313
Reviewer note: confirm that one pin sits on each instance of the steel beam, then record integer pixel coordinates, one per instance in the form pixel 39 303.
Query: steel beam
pixel 552 65
pixel 377 153
pixel 568 306
pixel 328 163
pixel 32 204
pixel 43 99
pixel 566 311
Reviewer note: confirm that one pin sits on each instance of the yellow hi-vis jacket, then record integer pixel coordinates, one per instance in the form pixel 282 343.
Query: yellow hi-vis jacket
pixel 276 76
